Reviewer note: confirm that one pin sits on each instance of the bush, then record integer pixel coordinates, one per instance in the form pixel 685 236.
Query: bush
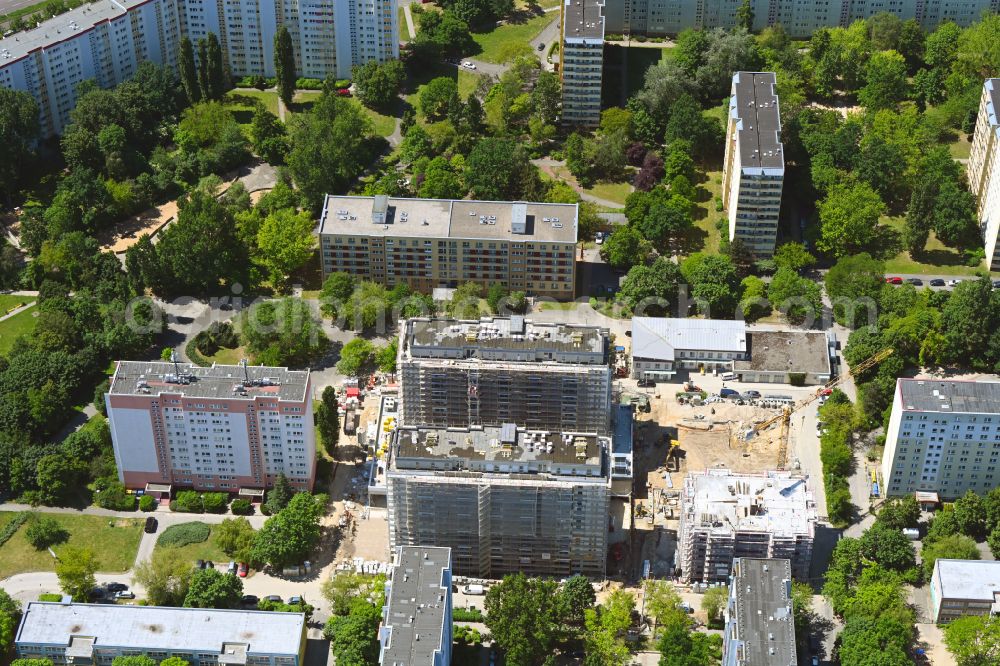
pixel 467 615
pixel 13 526
pixel 147 503
pixel 797 378
pixel 241 507
pixel 45 531
pixel 188 501
pixel 718 204
pixel 215 502
pixel 184 534
pixel 49 596
pixel 114 497
pixel 308 84
pixel 191 349
pixel 342 83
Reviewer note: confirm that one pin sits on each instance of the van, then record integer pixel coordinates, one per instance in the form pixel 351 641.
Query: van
pixel 473 589
pixel 729 377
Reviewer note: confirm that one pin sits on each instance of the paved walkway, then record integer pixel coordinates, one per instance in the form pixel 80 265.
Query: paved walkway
pixel 410 28
pixel 17 311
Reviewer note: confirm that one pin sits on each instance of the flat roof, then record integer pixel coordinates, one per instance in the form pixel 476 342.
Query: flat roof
pixel 949 396
pixel 622 437
pixel 448 218
pixel 218 381
pixel 62 28
pixel 415 608
pixel 992 86
pixel 969 579
pixel 504 333
pixel 659 337
pixel 764 618
pixel 787 351
pixel 584 19
pixel 755 106
pixel 160 628
pixel 506 443
pixel 776 502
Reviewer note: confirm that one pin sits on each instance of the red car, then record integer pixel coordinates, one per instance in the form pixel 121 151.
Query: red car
pixel 894 280
pixel 242 571
pixel 344 92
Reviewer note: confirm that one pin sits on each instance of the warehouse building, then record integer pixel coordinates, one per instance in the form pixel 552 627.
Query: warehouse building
pixel 500 370
pixel 760 624
pixel 662 346
pixel 943 437
pixel 801 358
pixel 726 516
pixel 229 428
pixel 432 243
pixel 416 619
pixel 964 587
pixel 504 499
pixel 68 633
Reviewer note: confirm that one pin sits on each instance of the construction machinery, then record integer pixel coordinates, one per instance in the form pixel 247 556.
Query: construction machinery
pixel 784 417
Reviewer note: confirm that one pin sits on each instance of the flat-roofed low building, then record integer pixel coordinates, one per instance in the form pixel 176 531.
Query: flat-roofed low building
pixel 69 633
pixel 661 346
pixel 964 587
pixel 416 619
pixel 787 357
pixel 504 499
pixel 496 370
pixel 725 515
pixel 432 243
pixel 760 624
pixel 754 166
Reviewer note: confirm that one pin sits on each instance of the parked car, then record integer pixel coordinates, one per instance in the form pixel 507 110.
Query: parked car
pixel 916 282
pixel 296 600
pixel 199 564
pixel 541 47
pixel 954 282
pixel 344 92
pixel 232 567
pixel 124 594
pixel 242 570
pixel 274 598
pixel 937 282
pixel 116 587
pixel 894 280
pixel 996 284
pixel 151 525
pixel 751 395
pixel 729 393
pixel 249 600
pixel 96 594
pixel 469 64
pixel 209 564
pixel 645 383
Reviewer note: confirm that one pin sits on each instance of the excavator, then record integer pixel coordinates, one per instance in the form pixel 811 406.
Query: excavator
pixel 784 418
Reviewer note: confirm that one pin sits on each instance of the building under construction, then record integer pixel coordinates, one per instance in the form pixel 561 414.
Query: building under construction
pixel 498 370
pixel 725 516
pixel 504 499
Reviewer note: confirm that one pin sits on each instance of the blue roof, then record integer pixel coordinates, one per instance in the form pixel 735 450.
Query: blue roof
pixel 621 442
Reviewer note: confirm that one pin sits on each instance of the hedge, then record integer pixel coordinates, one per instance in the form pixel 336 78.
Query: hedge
pixel 241 507
pixel 49 596
pixel 215 502
pixel 13 526
pixel 309 84
pixel 467 615
pixel 188 501
pixel 191 349
pixel 147 503
pixel 184 534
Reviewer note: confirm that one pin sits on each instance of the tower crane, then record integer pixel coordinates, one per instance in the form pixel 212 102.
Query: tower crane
pixel 786 413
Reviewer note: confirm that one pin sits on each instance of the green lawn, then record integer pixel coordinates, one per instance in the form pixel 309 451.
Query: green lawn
pixel 961 146
pixel 241 104
pixel 113 540
pixel 8 302
pixel 23 323
pixel 384 125
pixel 936 258
pixel 465 80
pixel 705 217
pixel 227 356
pixel 206 550
pixel 616 192
pixel 404 32
pixel 494 43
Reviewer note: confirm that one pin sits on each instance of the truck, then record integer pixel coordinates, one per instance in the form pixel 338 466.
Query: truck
pixel 351 418
pixel 473 589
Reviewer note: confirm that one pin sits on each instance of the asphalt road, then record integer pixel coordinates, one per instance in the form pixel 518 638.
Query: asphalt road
pixel 7 6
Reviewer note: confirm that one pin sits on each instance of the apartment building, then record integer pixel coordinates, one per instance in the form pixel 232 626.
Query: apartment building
pixel 943 437
pixel 430 243
pixel 582 61
pixel 505 370
pixel 800 19
pixel 726 516
pixel 230 428
pixel 754 167
pixel 106 40
pixel 760 625
pixel 964 587
pixel 68 633
pixel 416 619
pixel 984 169
pixel 504 499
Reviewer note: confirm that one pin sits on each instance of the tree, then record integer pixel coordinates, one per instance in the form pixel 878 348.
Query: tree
pixel 289 536
pixel 328 420
pixel 954 215
pixel 853 285
pixel 268 136
pixel 797 297
pixel 134 660
pixel 714 284
pixel 753 302
pixel 336 291
pixel 75 569
pixel 210 588
pixel 576 596
pixel 849 218
pixel 354 636
pixel 165 577
pixel 234 536
pixel 714 602
pixel 45 531
pixel 966 323
pixel 900 513
pixel 441 181
pixel 954 547
pixel 215 76
pixel 970 515
pixel 523 616
pixel 498 170
pixel 744 15
pixel 283 333
pixel 285 243
pixel 356 357
pixel 434 97
pixel 651 289
pixel 465 301
pixel 606 628
pixel 280 494
pixel 974 640
pixel 18 133
pixel 57 477
pixel 993 541
pixel 188 71
pixel 174 661
pixel 10 615
pixel 889 547
pixel 284 64
pixel 344 587
pixel 376 85
pixel 793 256
pixel 885 81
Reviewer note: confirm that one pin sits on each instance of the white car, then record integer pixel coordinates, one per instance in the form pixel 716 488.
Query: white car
pixel 468 65
pixel 953 283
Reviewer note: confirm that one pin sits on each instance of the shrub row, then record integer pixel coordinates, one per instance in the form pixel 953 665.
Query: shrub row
pixel 147 503
pixel 13 526
pixel 191 349
pixel 191 501
pixel 467 615
pixel 241 507
pixel 184 534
